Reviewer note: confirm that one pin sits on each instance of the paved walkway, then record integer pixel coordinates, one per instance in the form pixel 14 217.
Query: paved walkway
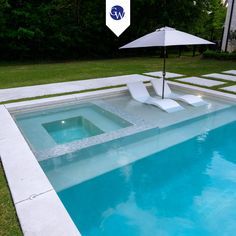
pixel 200 81
pixel 65 87
pixel 232 72
pixel 81 85
pixel 209 81
pixel 221 76
pixel 230 88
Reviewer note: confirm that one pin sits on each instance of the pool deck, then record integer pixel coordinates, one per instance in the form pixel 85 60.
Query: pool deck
pixel 68 87
pixel 39 209
pixel 220 80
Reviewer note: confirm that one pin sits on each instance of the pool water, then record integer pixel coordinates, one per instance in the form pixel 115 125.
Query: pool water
pixel 176 179
pixel 186 189
pixel 71 129
pixel 64 124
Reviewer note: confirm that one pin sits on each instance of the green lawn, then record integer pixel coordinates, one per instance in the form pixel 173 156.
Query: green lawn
pixel 8 220
pixel 31 74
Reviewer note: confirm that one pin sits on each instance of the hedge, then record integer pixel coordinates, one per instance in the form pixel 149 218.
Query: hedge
pixel 219 55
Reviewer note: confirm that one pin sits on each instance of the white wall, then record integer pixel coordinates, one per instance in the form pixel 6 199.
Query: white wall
pixel 231 45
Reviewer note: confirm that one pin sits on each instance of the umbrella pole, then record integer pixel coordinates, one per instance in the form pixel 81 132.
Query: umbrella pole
pixel 164 73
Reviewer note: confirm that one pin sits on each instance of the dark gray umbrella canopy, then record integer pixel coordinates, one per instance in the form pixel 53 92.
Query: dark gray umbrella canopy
pixel 165 37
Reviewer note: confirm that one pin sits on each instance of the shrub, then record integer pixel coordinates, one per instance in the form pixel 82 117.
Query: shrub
pixel 219 55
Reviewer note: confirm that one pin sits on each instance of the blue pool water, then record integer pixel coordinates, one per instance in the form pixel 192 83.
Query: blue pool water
pixel 187 189
pixel 68 130
pixel 67 123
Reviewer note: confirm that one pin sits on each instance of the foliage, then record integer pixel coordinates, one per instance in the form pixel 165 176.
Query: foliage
pixel 214 22
pixel 219 55
pixel 71 29
pixel 232 35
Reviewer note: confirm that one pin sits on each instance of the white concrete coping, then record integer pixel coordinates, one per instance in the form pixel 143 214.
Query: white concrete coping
pixel 66 98
pixel 221 76
pixel 109 93
pixel 201 81
pixel 39 209
pixel 66 87
pixel 22 187
pixel 230 88
pixel 232 72
pixel 45 215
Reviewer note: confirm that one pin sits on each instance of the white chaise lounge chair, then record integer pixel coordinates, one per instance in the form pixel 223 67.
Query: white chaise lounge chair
pixel 188 98
pixel 139 93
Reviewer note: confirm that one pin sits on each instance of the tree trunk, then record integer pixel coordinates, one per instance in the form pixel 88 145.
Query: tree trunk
pixel 77 10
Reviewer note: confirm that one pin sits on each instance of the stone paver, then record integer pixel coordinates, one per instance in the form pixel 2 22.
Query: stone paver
pixel 230 88
pixel 168 74
pixel 22 187
pixel 221 76
pixel 201 81
pixel 45 215
pixel 65 87
pixel 232 72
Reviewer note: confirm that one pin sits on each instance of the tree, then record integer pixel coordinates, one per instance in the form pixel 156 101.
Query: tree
pixel 67 29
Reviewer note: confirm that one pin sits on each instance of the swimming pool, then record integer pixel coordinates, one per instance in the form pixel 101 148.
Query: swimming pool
pixel 179 180
pixel 187 189
pixel 160 180
pixel 74 163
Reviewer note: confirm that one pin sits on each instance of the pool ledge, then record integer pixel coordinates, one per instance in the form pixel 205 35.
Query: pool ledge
pixel 38 207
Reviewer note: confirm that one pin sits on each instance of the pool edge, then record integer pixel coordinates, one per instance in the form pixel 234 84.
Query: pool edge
pixel 38 207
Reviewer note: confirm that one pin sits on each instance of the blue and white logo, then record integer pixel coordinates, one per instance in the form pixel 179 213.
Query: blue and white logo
pixel 117 15
pixel 117 12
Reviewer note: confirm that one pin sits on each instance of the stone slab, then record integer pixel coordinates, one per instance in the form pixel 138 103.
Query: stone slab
pixel 221 76
pixel 25 176
pixel 39 209
pixel 230 88
pixel 232 72
pixel 45 215
pixel 65 99
pixel 159 74
pixel 200 81
pixel 74 86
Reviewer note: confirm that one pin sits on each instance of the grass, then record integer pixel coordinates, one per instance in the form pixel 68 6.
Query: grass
pixel 16 75
pixel 8 220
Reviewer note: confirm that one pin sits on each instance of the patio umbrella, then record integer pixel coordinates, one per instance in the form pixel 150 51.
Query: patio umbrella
pixel 165 37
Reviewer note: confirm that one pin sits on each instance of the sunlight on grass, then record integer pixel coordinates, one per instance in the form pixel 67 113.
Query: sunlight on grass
pixel 33 74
